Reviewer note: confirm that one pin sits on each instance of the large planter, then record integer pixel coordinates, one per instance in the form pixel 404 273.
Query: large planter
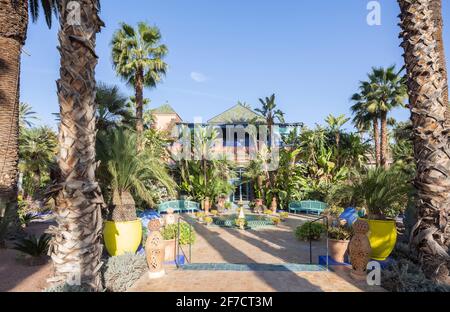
pixel 170 250
pixel 122 237
pixel 382 237
pixel 338 249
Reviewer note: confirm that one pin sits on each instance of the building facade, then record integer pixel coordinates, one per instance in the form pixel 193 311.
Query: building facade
pixel 240 134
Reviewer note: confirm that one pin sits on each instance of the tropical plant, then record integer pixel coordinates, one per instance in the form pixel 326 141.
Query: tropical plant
pixel 127 172
pixel 33 245
pixel 26 115
pixel 76 253
pixel 384 90
pixel 276 221
pixel 207 175
pixel 187 235
pixel 284 215
pixel 26 218
pixel 14 18
pixel 208 220
pixel 403 147
pixel 427 85
pixel 138 59
pixel 269 110
pixel 240 222
pixel 309 231
pixel 335 125
pixel 37 150
pixel 340 232
pixel 384 192
pixel 388 91
pixel 111 107
pixel 365 118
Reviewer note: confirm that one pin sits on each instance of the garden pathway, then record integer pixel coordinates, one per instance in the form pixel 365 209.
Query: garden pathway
pixel 217 249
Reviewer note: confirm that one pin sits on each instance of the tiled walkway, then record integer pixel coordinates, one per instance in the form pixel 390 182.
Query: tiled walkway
pixel 264 260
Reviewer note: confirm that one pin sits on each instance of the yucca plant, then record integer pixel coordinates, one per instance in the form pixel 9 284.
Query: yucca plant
pixel 34 247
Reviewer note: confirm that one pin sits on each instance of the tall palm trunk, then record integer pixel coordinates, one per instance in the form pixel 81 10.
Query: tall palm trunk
pixel 384 140
pixel 376 139
pixel 437 16
pixel 76 246
pixel 13 29
pixel 430 236
pixel 139 88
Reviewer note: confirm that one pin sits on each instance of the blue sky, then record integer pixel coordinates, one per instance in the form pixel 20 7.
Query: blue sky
pixel 310 53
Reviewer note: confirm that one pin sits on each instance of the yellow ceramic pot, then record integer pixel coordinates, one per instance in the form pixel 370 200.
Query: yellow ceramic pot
pixel 382 237
pixel 122 237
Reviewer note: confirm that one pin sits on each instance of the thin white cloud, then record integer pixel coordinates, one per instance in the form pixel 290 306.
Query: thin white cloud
pixel 198 77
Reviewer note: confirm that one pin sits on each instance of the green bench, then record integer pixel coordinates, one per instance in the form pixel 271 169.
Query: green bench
pixel 179 206
pixel 307 206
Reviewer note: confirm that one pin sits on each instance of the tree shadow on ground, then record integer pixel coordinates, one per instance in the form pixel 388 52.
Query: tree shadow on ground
pixel 279 281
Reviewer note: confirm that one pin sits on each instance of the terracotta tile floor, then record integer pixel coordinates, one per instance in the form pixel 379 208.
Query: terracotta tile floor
pixel 266 246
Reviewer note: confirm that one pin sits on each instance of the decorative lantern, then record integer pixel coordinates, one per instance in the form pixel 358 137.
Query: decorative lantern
pixel 154 250
pixel 359 250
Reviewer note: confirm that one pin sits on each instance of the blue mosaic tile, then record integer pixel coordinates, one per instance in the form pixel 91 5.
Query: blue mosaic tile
pixel 258 267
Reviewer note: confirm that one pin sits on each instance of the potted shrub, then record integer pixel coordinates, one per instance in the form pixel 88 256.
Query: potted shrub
pixel 170 234
pixel 339 238
pixel 276 221
pixel 284 215
pixel 309 231
pixel 228 205
pixel 200 215
pixel 240 223
pixel 123 173
pixel 384 192
pixel 208 221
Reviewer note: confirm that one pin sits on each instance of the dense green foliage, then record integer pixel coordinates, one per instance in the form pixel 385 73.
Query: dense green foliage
pixel 309 231
pixel 187 234
pixel 124 169
pixel 33 246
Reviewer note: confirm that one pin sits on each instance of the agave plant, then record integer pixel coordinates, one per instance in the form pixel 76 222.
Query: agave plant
pixel 33 246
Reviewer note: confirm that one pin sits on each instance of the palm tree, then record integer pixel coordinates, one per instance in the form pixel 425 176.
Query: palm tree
pixel 37 151
pixel 269 111
pixel 14 17
pixel 364 119
pixel 388 90
pixel 335 124
pixel 437 15
pixel 26 115
pixel 426 86
pixel 138 59
pixel 76 245
pixel 127 172
pixel 111 107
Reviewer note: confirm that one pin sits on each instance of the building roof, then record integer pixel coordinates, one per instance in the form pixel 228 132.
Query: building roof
pixel 237 114
pixel 164 109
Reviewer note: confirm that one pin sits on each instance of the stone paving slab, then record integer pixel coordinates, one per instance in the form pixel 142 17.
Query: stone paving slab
pixel 251 281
